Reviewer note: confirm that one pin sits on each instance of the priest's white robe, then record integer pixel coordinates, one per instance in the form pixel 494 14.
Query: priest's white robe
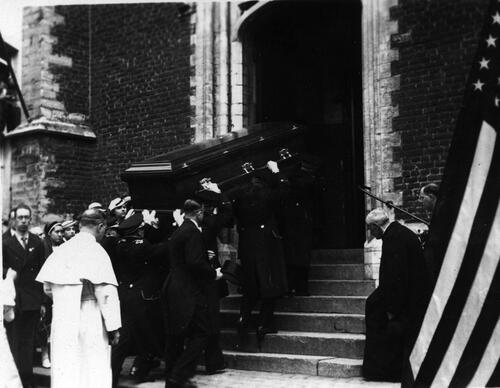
pixel 80 353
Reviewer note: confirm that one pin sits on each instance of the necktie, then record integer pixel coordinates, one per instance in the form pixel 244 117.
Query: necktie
pixel 25 242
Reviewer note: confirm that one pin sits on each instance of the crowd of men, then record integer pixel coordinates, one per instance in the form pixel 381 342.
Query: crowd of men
pixel 114 277
pixel 158 294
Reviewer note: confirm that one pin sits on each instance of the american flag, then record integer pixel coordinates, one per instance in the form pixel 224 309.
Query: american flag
pixel 459 339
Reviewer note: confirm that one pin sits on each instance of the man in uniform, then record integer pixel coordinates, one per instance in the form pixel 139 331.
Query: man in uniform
pixel 260 248
pixel 140 269
pixel 185 297
pixel 395 307
pixel 23 254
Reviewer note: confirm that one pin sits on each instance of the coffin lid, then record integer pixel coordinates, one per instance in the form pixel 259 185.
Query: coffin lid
pixel 190 159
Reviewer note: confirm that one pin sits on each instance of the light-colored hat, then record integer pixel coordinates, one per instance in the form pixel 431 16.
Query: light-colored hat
pixel 68 223
pixel 95 205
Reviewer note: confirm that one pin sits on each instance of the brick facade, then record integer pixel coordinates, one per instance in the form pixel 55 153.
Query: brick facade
pixel 139 88
pixel 125 82
pixel 433 66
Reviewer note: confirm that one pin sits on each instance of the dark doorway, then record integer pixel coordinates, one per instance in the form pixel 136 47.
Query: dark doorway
pixel 303 64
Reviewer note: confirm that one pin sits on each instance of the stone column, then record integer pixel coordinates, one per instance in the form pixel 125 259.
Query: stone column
pixel 378 112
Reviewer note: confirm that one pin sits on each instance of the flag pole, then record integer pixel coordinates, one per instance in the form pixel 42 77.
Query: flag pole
pixel 393 206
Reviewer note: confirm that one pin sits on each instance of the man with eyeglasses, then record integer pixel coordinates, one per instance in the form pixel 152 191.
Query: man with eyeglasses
pixel 23 256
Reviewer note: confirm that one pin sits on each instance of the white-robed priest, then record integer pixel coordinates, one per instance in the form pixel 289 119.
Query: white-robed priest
pixel 86 309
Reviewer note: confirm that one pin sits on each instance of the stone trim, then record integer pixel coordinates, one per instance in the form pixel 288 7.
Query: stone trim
pixel 46 126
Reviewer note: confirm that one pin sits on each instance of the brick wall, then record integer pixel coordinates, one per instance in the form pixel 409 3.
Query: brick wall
pixel 139 87
pixel 51 174
pixel 433 66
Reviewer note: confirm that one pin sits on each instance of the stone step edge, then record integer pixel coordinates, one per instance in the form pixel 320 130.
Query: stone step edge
pixel 321 361
pixel 308 334
pixel 312 315
pixel 235 296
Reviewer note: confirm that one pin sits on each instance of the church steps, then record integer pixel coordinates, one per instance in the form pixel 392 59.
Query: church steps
pixel 309 304
pixel 341 287
pixel 337 271
pixel 294 342
pixel 338 256
pixel 295 364
pixel 311 322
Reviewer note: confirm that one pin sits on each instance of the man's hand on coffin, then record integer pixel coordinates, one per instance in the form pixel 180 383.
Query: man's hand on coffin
pixel 211 186
pixel 178 217
pixel 218 274
pixel 273 166
pixel 150 218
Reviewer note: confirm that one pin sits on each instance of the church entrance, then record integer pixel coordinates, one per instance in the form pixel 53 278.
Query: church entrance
pixel 302 64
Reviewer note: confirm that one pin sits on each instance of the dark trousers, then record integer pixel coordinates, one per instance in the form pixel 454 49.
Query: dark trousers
pixel 214 359
pixel 139 331
pixel 298 279
pixel 21 335
pixel 266 317
pixel 183 350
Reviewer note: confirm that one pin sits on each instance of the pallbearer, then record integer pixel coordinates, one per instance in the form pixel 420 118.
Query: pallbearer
pixel 260 248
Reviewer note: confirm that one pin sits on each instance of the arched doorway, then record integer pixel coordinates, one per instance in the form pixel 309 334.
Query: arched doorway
pixel 302 63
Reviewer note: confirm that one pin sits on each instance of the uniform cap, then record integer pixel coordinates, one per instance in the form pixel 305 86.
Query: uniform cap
pixel 131 224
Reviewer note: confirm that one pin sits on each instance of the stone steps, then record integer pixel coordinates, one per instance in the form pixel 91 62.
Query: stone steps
pixel 341 287
pixel 296 364
pixel 309 322
pixel 308 304
pixel 337 272
pixel 338 256
pixel 321 334
pixel 345 345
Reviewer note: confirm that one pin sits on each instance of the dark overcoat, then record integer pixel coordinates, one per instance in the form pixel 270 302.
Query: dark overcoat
pixel 403 293
pixel 219 215
pixel 296 219
pixel 189 279
pixel 27 263
pixel 260 245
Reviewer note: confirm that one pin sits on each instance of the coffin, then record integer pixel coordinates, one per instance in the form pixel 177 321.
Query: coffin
pixel 166 181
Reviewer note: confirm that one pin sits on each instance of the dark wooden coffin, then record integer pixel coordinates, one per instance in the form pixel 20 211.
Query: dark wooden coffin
pixel 166 181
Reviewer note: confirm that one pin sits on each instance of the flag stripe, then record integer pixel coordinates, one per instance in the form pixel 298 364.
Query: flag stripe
pixel 457 245
pixel 482 333
pixel 479 290
pixel 482 218
pixel 487 374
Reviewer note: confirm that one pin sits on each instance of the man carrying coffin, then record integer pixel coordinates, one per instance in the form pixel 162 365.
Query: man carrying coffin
pixel 185 297
pixel 86 310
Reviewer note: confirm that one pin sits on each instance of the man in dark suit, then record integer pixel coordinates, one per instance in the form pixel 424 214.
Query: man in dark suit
pixel 185 297
pixel 393 310
pixel 218 214
pixel 23 253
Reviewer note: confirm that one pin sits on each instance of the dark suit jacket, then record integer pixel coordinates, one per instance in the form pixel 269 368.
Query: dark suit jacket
pixel 190 277
pixel 27 264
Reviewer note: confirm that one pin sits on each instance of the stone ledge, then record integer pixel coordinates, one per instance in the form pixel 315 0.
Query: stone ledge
pixel 59 128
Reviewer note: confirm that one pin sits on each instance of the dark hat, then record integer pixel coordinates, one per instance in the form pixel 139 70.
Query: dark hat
pixel 232 272
pixel 190 206
pixel 131 224
pixel 51 225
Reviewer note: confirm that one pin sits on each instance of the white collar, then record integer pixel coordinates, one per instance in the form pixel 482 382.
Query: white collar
pixel 195 223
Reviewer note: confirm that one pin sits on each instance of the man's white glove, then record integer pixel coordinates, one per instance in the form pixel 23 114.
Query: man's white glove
pixel 129 213
pixel 150 218
pixel 211 186
pixel 273 166
pixel 218 274
pixel 178 217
